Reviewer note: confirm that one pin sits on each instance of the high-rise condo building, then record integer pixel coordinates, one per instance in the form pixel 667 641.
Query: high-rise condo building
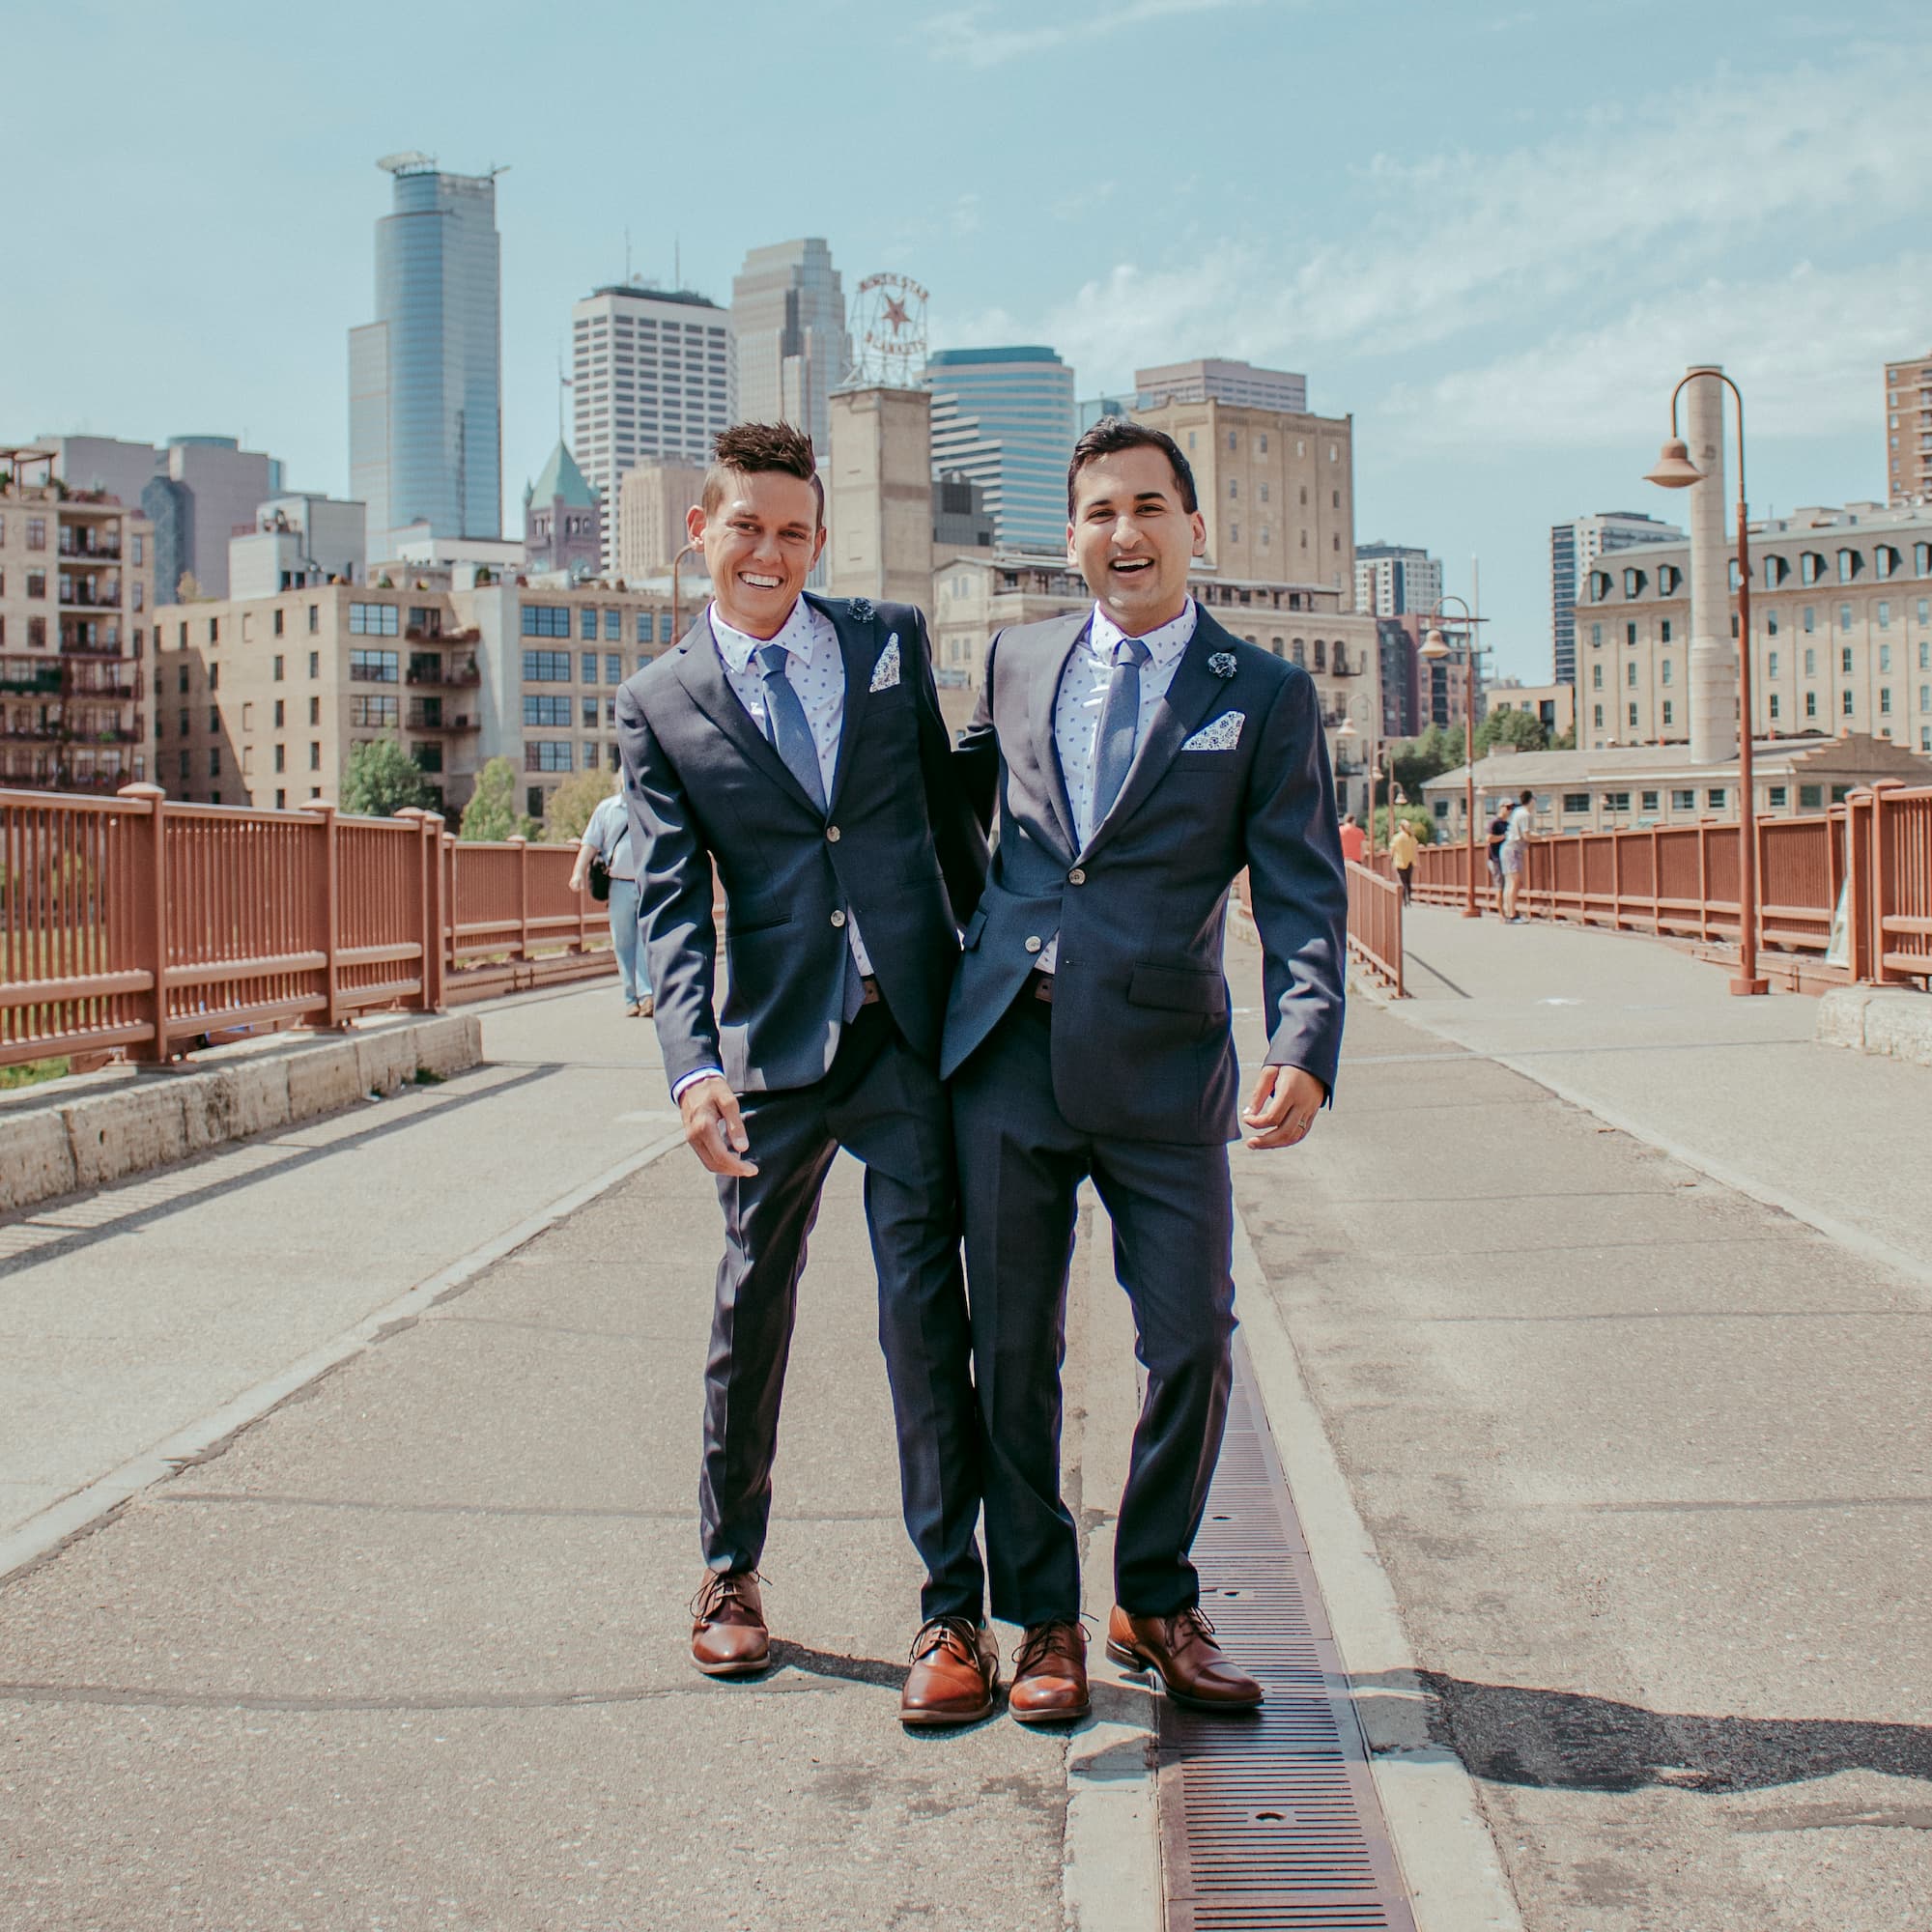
pixel 425 378
pixel 1392 580
pixel 790 348
pixel 1003 418
pixel 651 379
pixel 1908 437
pixel 1574 547
pixel 1213 381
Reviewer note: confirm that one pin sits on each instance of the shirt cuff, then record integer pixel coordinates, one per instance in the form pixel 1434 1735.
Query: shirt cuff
pixel 691 1080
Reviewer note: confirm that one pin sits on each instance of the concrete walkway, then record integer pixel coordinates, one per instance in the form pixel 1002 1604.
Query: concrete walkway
pixel 1645 1460
pixel 409 1652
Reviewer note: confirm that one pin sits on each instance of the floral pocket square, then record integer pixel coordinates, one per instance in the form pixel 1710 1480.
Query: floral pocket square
pixel 886 672
pixel 1222 735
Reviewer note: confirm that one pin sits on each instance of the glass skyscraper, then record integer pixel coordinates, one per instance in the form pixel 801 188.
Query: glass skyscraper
pixel 1005 419
pixel 789 345
pixel 425 378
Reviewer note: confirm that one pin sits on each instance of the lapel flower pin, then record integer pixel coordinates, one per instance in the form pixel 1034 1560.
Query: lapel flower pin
pixel 1222 663
pixel 861 610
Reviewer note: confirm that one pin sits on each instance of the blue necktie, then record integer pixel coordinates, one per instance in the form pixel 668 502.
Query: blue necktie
pixel 791 736
pixel 784 724
pixel 1119 726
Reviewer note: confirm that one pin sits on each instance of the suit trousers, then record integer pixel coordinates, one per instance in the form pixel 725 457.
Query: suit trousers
pixel 1172 1208
pixel 885 1104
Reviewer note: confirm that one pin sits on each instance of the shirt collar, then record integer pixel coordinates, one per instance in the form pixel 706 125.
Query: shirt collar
pixel 1164 645
pixel 798 633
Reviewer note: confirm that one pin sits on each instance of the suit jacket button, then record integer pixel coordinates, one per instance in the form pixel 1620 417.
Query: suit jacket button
pixel 831 834
pixel 1034 941
pixel 1077 877
pixel 837 919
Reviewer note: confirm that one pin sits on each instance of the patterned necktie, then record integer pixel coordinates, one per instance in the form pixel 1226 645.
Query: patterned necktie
pixel 791 735
pixel 786 726
pixel 1119 726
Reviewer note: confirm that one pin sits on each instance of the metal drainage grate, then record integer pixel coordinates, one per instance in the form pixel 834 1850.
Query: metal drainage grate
pixel 1270 1821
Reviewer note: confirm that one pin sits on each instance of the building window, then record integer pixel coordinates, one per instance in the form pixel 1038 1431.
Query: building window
pixel 1850 563
pixel 1884 700
pixel 374 713
pixel 644 628
pixel 589 673
pixel 314 756
pixel 1810 798
pixel 1770 663
pixel 1669 715
pixel 315 664
pixel 314 618
pixel 548 755
pixel 1845 703
pixel 1633 582
pixel 1576 801
pixel 374 620
pixel 37 533
pixel 1632 717
pixel 1629 673
pixel 282 712
pixel 1845 660
pixel 1810 566
pixel 1715 798
pixel 1664 632
pixel 547 620
pixel 1684 801
pixel 1596 636
pixel 276 626
pixel 613 667
pixel 547 710
pixel 1810 704
pixel 315 711
pixel 587 622
pixel 589 713
pixel 1649 799
pixel 1629 634
pixel 545 666
pixel 1596 677
pixel 1771 623
pixel 1597 720
pixel 367 666
pixel 215 762
pixel 1774 707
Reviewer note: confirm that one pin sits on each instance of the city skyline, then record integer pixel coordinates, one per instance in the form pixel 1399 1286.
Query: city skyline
pixel 1500 298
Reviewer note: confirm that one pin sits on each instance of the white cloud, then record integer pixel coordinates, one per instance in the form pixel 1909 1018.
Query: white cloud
pixel 1700 183
pixel 1805 348
pixel 968 34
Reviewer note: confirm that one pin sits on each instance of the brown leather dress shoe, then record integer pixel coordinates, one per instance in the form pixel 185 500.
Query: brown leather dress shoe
pixel 1050 1676
pixel 1182 1649
pixel 955 1671
pixel 729 1637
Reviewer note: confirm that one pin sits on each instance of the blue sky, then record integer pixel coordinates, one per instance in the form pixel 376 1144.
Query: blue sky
pixel 1494 233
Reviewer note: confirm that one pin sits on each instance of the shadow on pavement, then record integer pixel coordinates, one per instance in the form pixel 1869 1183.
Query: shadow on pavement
pixel 1565 1741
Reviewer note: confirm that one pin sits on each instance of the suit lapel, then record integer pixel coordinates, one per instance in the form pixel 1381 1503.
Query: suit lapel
pixel 701 671
pixel 1190 695
pixel 859 647
pixel 1042 700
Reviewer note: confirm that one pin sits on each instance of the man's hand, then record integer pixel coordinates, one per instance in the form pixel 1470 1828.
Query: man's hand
pixel 1283 1106
pixel 714 1128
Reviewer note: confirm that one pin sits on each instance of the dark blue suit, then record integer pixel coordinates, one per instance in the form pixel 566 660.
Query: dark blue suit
pixel 897 848
pixel 1129 1074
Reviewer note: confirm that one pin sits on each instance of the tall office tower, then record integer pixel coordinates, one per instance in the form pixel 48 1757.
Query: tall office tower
pixel 653 500
pixel 790 348
pixel 1392 580
pixel 1574 547
pixel 1213 380
pixel 1908 434
pixel 425 378
pixel 651 379
pixel 1003 418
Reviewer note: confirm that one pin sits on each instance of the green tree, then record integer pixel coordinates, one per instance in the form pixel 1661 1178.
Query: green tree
pixel 573 802
pixel 382 779
pixel 491 816
pixel 1415 816
pixel 1417 761
pixel 1521 728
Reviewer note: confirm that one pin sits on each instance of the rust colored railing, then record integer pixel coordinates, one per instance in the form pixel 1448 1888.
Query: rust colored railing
pixel 142 925
pixel 1375 925
pixel 1873 851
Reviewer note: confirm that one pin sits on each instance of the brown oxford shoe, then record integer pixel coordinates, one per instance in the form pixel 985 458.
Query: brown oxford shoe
pixel 729 1637
pixel 955 1671
pixel 1182 1649
pixel 1050 1676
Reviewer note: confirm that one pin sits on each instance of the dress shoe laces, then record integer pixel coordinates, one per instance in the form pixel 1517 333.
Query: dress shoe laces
pixel 1060 1639
pixel 960 1636
pixel 718 1590
pixel 1190 1625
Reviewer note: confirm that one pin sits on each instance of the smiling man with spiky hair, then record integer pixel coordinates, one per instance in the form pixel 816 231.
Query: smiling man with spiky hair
pixel 796 744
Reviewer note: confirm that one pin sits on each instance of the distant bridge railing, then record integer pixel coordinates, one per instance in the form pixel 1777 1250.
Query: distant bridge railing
pixel 140 925
pixel 1375 925
pixel 1872 853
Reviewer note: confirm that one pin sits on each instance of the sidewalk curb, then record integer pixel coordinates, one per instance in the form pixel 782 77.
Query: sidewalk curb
pixel 154 1118
pixel 78 1514
pixel 1877 1021
pixel 1434 1814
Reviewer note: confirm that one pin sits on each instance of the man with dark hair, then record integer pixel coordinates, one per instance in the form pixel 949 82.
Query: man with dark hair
pixel 795 744
pixel 1140 757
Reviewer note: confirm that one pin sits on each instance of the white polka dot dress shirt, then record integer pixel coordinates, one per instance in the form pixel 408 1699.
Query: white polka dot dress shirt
pixel 816 669
pixel 1083 697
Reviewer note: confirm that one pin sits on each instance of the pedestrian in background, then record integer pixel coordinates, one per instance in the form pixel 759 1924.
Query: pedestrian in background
pixel 1355 840
pixel 1499 827
pixel 1515 858
pixel 1402 856
pixel 608 836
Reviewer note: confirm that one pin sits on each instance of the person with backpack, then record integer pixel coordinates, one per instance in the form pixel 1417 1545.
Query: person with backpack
pixel 604 856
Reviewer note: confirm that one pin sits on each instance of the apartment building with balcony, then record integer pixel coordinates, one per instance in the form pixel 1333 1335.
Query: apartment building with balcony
pixel 1841 623
pixel 76 589
pixel 1908 434
pixel 262 701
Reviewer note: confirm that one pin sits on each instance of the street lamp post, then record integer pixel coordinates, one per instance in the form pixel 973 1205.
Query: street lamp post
pixel 1435 647
pixel 1676 471
pixel 1346 734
